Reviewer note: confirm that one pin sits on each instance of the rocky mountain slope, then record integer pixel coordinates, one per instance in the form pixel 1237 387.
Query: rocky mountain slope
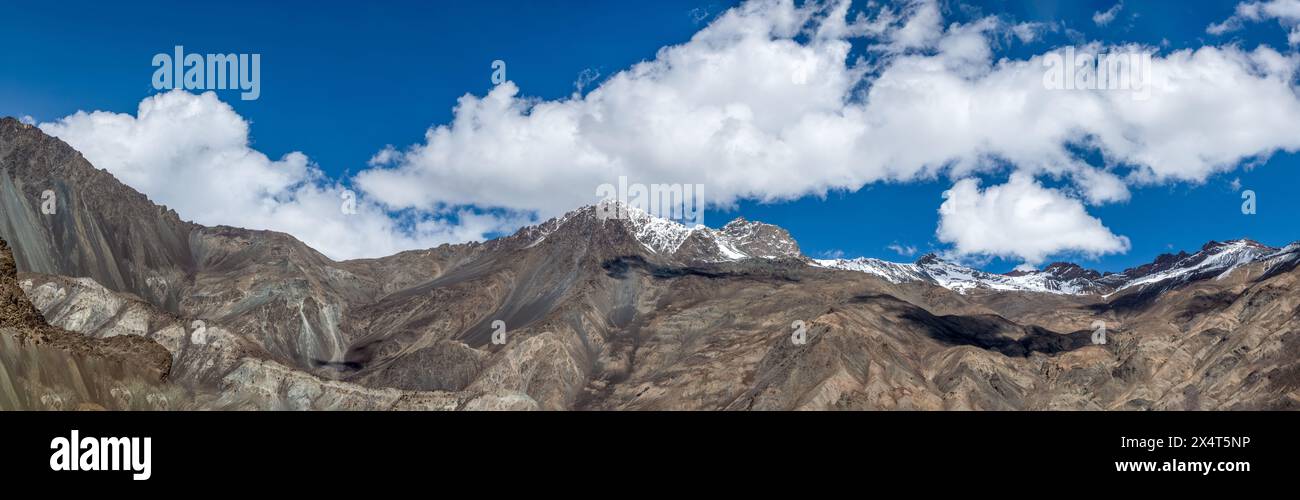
pixel 588 311
pixel 47 367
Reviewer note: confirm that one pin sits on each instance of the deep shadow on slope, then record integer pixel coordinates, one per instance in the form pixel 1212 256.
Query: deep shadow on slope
pixel 987 331
pixel 753 268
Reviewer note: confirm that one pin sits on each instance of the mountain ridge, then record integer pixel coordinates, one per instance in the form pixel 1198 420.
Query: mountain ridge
pixel 737 240
pixel 668 238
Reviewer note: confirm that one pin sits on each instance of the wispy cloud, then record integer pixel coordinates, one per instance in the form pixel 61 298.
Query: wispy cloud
pixel 904 250
pixel 1286 12
pixel 832 254
pixel 1104 17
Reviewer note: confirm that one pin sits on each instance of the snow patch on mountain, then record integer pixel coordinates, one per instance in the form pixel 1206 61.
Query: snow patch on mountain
pixel 1215 260
pixel 892 272
pixel 657 234
pixel 959 278
pixel 1218 259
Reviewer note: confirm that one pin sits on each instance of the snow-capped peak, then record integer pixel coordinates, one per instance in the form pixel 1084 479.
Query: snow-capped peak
pixel 760 240
pixel 738 240
pixel 657 234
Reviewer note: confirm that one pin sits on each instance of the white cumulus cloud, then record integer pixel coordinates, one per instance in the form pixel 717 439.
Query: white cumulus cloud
pixel 766 103
pixel 191 153
pixel 1022 220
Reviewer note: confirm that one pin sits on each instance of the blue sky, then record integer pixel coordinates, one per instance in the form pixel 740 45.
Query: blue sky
pixel 340 81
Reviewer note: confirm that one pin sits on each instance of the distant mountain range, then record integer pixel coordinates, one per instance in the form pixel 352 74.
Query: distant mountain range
pixel 586 312
pixel 1215 259
pixel 742 239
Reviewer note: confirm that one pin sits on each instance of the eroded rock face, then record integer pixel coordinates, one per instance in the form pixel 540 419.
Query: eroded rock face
pixel 211 368
pixel 761 240
pixel 46 367
pixel 28 325
pixel 601 313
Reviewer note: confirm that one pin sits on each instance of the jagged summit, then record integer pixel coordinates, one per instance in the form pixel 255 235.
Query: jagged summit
pixel 1064 270
pixel 738 240
pixel 929 258
pixel 762 240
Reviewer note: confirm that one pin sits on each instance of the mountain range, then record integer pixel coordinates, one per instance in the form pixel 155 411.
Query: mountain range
pixel 585 311
pixel 1214 260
